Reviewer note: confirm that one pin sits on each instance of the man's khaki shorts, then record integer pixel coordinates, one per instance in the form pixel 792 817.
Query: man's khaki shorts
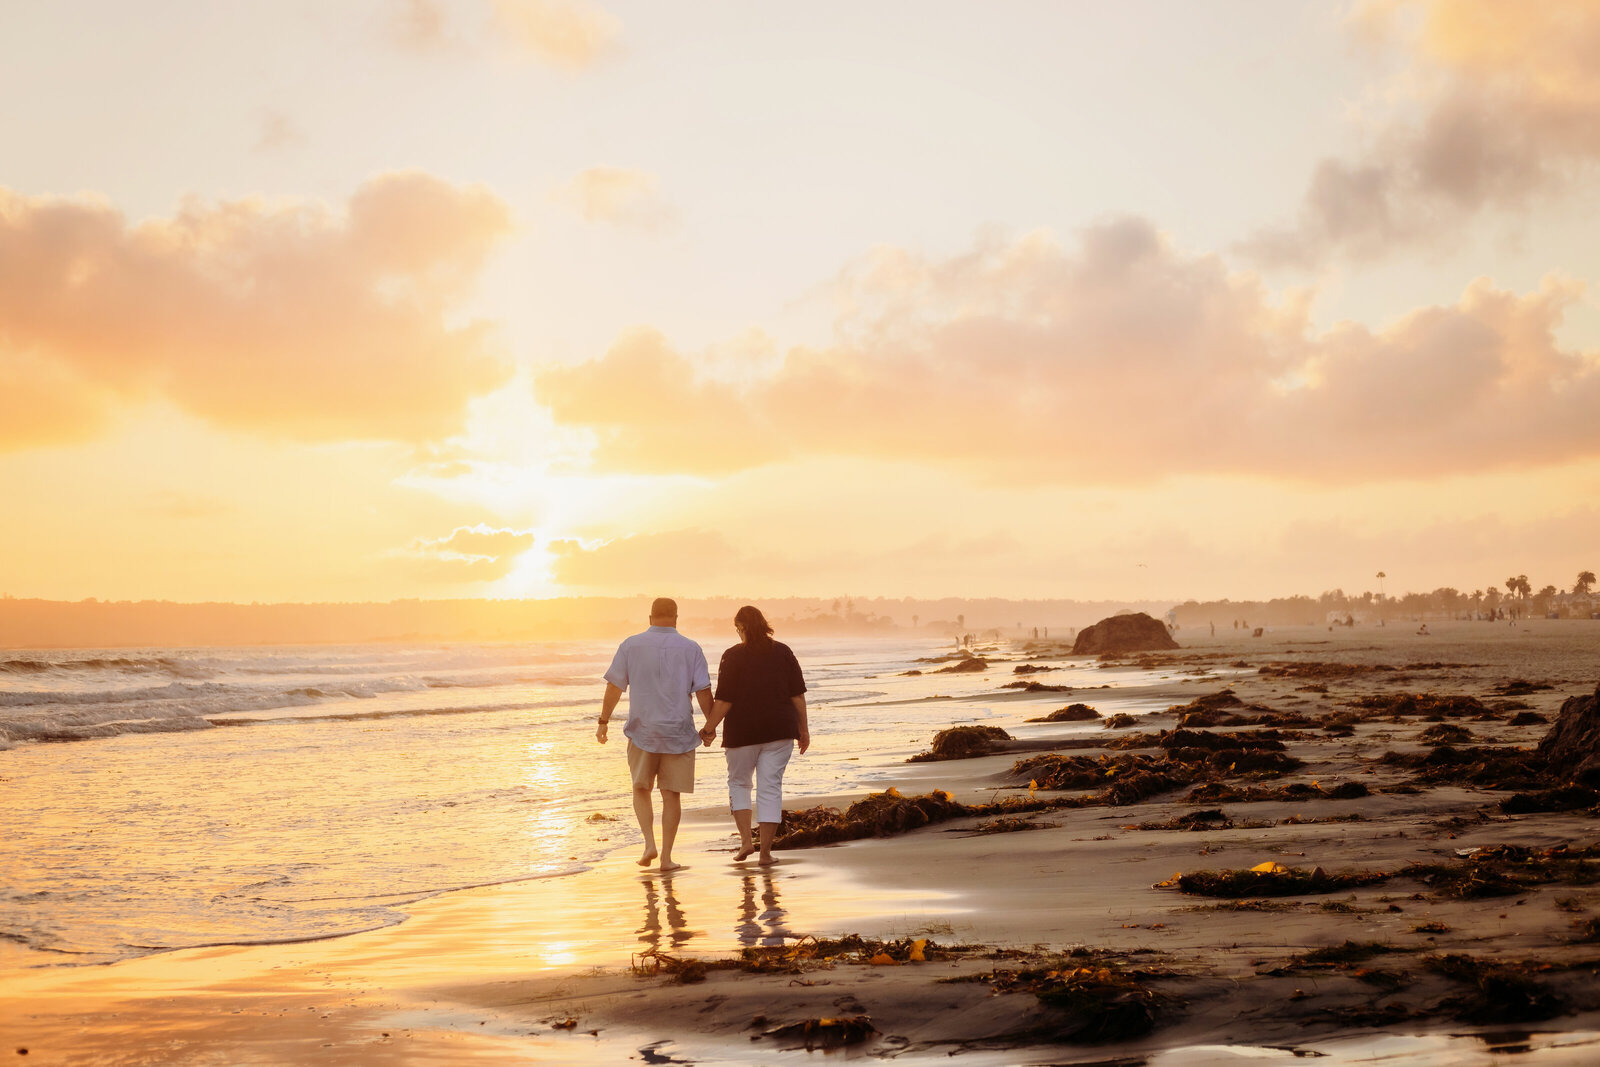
pixel 670 770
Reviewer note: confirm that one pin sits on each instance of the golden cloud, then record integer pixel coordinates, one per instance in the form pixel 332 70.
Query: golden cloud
pixel 478 553
pixel 1123 359
pixel 569 33
pixel 1511 108
pixel 565 33
pixel 618 196
pixel 288 318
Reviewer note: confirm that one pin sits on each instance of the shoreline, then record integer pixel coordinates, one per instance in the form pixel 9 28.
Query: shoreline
pixel 463 976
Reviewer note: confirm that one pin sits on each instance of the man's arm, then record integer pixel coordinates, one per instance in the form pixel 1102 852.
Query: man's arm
pixel 608 704
pixel 714 716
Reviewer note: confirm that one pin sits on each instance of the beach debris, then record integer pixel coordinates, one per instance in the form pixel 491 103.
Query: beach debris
pixel 1214 709
pixel 1482 765
pixel 1133 632
pixel 1520 687
pixel 1508 870
pixel 568 1023
pixel 1070 713
pixel 1527 718
pixel 1222 793
pixel 1499 992
pixel 1032 668
pixel 962 742
pixel 1037 687
pixel 970 665
pixel 888 813
pixel 1430 706
pixel 683 970
pixel 1007 825
pixel 1120 721
pixel 1444 733
pixel 826 1033
pixel 1567 798
pixel 1274 880
pixel 1194 821
pixel 1102 1000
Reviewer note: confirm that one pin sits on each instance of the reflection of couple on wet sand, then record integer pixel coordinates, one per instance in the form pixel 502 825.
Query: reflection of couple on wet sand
pixel 761 917
pixel 760 701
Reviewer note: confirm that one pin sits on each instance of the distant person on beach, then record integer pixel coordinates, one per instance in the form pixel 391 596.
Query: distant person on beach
pixel 762 696
pixel 661 669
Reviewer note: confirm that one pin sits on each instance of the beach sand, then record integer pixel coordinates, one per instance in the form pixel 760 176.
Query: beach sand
pixel 1428 972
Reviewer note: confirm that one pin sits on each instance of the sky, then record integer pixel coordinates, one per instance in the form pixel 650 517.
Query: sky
pixel 504 298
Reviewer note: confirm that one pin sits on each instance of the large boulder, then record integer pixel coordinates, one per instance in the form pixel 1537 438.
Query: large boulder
pixel 1571 750
pixel 1123 633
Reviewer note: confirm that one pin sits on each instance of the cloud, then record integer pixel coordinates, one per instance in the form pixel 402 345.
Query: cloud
pixel 480 553
pixel 287 318
pixel 564 33
pixel 568 33
pixel 1510 109
pixel 44 402
pixel 679 559
pixel 617 196
pixel 1120 360
pixel 653 414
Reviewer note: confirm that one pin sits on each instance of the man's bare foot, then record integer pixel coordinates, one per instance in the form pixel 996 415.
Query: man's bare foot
pixel 743 852
pixel 766 860
pixel 667 866
pixel 648 858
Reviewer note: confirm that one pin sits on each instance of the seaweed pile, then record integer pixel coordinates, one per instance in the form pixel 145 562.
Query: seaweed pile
pixel 962 742
pixel 1272 880
pixel 1103 1000
pixel 1507 870
pixel 891 812
pixel 1070 713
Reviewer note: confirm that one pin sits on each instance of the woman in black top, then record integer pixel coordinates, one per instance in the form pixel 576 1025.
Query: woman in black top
pixel 761 694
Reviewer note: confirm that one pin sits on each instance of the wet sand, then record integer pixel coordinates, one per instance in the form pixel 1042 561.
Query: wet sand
pixel 498 974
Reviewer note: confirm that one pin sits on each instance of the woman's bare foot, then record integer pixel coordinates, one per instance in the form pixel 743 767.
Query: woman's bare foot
pixel 648 857
pixel 667 866
pixel 744 851
pixel 766 860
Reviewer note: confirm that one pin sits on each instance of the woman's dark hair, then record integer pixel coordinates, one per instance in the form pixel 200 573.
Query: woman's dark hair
pixel 757 634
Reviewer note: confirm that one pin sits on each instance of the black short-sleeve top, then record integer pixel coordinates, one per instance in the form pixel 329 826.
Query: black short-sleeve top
pixel 761 684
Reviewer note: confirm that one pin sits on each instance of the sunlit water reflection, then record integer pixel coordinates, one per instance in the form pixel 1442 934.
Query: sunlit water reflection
pixel 305 793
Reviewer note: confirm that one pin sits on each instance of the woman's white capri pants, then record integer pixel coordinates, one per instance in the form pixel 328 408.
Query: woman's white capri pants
pixel 766 762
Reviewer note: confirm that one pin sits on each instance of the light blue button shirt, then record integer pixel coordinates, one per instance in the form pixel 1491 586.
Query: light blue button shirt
pixel 660 669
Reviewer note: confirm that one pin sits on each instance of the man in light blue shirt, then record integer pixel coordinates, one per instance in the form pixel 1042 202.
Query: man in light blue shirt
pixel 660 668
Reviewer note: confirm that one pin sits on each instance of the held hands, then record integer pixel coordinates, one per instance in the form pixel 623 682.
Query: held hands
pixel 708 734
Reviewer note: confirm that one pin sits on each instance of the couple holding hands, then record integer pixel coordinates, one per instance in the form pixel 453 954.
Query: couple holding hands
pixel 759 701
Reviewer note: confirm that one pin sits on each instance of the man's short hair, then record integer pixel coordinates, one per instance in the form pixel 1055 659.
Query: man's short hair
pixel 664 608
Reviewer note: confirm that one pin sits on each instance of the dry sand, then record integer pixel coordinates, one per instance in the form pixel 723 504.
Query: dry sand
pixel 479 975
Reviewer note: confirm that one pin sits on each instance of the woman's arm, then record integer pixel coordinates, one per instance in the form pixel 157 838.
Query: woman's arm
pixel 804 733
pixel 714 717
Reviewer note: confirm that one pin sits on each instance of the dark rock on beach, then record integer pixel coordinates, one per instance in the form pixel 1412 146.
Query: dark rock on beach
pixel 1571 750
pixel 1123 633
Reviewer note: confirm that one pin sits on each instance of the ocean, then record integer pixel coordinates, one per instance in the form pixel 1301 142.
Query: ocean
pixel 157 799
